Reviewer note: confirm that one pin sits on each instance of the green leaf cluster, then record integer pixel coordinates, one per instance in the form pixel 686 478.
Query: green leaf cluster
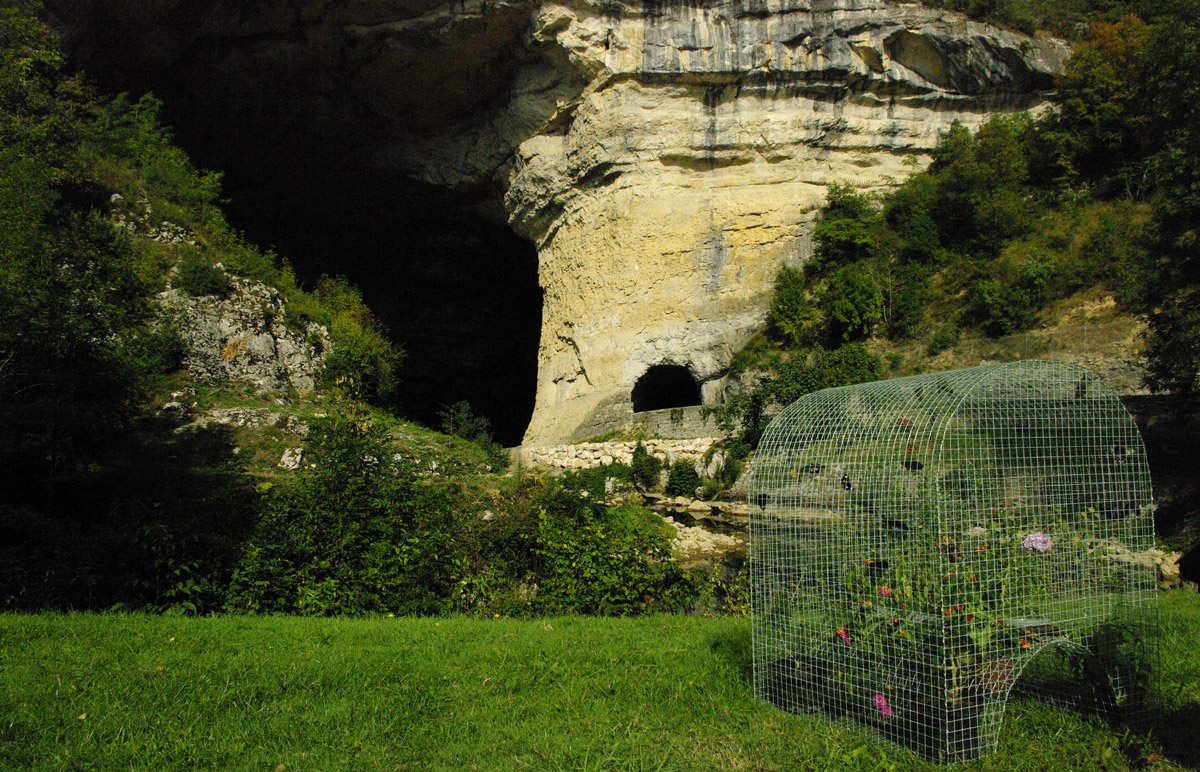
pixel 682 480
pixel 354 534
pixel 459 420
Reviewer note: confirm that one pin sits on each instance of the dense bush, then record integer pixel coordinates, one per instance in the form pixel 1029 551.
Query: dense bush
pixel 594 559
pixel 794 318
pixel 644 467
pixel 361 354
pixel 459 420
pixel 198 277
pixel 682 480
pixel 353 534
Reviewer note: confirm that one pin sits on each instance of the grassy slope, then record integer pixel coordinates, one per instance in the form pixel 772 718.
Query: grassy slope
pixel 658 693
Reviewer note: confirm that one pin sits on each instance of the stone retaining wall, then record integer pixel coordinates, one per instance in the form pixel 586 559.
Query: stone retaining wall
pixel 587 455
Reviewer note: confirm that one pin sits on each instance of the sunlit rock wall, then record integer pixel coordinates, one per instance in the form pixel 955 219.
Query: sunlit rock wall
pixel 665 197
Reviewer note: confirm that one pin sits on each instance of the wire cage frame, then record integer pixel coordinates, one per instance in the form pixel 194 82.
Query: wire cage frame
pixel 919 547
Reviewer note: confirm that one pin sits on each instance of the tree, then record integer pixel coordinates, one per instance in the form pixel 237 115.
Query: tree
pixel 793 317
pixel 852 304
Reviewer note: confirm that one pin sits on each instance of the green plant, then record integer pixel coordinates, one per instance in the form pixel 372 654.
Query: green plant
pixel 198 277
pixel 852 304
pixel 459 420
pixel 606 560
pixel 361 351
pixel 682 480
pixel 354 533
pixel 794 318
pixel 645 467
pixel 942 340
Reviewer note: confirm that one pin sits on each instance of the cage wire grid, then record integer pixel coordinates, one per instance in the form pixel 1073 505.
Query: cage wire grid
pixel 921 545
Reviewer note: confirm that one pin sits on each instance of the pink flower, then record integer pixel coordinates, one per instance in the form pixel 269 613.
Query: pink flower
pixel 885 591
pixel 881 705
pixel 846 639
pixel 1037 541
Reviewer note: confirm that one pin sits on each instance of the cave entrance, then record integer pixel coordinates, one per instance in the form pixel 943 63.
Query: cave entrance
pixel 665 386
pixel 457 291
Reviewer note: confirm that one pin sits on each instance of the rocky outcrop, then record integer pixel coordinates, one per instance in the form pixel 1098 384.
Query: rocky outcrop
pixel 664 156
pixel 244 337
pixel 665 197
pixel 589 455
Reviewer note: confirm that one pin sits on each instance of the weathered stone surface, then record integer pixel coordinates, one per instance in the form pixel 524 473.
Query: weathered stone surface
pixel 589 455
pixel 243 337
pixel 664 157
pixel 664 199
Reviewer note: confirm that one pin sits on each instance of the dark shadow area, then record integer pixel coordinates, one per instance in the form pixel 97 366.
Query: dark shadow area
pixel 734 649
pixel 151 520
pixel 665 386
pixel 457 291
pixel 1172 438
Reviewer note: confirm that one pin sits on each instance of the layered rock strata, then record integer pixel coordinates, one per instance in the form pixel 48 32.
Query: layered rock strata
pixel 664 156
pixel 664 199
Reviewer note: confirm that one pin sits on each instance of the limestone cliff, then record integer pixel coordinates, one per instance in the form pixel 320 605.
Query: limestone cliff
pixel 665 197
pixel 664 156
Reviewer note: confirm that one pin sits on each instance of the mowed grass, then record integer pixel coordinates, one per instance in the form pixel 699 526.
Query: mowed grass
pixel 112 692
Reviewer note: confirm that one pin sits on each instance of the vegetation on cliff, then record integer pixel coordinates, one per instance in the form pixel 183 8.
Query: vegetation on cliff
pixel 1101 193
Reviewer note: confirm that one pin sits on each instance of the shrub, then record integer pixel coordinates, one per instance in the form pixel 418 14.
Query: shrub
pixel 593 559
pixel 362 353
pixel 198 277
pixel 850 364
pixel 944 339
pixel 793 316
pixel 645 467
pixel 459 420
pixel 682 480
pixel 1009 304
pixel 596 481
pixel 851 303
pixel 910 293
pixel 353 535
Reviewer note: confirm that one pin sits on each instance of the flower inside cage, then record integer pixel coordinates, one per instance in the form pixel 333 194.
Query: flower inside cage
pixel 977 498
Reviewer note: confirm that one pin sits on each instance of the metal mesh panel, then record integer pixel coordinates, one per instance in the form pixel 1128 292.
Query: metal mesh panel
pixel 921 545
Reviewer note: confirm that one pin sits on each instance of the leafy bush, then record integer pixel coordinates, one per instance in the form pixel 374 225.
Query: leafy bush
pixel 846 232
pixel 848 365
pixel 198 277
pixel 362 353
pixel 1009 303
pixel 852 304
pixel 354 534
pixel 644 467
pixel 943 340
pixel 794 318
pixel 596 481
pixel 593 559
pixel 682 480
pixel 459 420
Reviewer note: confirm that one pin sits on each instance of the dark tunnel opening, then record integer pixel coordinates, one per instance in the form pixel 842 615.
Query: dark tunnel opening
pixel 457 291
pixel 665 386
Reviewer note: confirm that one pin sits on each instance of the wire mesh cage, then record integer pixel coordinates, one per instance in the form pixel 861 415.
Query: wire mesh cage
pixel 921 545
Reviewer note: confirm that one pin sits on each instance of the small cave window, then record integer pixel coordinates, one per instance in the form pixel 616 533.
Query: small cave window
pixel 665 386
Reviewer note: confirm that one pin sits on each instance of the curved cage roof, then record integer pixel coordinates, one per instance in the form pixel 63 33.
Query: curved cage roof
pixel 916 543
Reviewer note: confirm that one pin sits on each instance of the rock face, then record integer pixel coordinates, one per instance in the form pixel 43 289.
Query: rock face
pixel 664 156
pixel 243 337
pixel 664 199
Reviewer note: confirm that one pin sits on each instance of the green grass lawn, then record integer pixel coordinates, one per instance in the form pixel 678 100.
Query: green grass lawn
pixel 104 692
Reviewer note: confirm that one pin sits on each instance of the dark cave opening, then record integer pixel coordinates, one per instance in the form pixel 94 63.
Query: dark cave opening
pixel 458 291
pixel 665 386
